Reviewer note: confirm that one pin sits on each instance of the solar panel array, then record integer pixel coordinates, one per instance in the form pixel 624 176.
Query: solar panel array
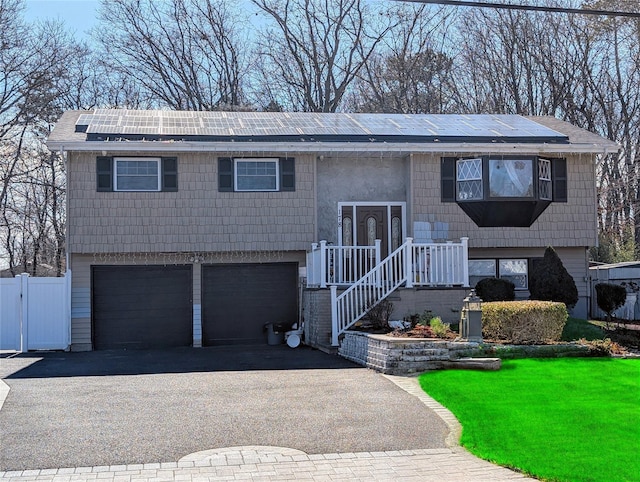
pixel 304 124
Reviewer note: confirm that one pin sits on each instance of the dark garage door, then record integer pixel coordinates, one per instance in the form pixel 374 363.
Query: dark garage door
pixel 141 306
pixel 238 299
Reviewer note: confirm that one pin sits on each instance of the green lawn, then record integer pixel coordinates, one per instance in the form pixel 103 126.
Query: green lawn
pixel 576 328
pixel 568 419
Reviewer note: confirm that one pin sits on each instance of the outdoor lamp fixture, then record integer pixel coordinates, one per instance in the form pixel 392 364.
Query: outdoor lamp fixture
pixel 471 329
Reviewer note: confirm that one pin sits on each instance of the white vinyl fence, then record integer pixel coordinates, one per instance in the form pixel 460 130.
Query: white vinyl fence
pixel 35 313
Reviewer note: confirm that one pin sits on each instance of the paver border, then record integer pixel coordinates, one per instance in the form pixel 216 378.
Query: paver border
pixel 411 385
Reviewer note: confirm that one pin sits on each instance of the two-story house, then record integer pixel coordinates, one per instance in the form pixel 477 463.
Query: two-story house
pixel 198 228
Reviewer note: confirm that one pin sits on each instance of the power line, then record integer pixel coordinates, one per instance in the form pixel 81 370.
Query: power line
pixel 532 8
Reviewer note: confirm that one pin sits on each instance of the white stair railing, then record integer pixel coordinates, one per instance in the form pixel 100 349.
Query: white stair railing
pixel 423 264
pixel 352 304
pixel 340 265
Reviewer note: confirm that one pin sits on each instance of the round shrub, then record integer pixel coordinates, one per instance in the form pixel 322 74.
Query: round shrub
pixel 523 322
pixel 610 297
pixel 496 289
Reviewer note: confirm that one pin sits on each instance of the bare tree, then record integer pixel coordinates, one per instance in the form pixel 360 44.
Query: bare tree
pixel 186 54
pixel 32 64
pixel 312 50
pixel 411 72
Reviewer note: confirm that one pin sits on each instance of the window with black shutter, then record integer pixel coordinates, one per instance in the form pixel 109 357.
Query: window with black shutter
pixel 135 174
pixel 248 174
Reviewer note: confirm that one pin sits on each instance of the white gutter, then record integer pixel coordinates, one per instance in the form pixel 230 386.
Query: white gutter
pixel 330 147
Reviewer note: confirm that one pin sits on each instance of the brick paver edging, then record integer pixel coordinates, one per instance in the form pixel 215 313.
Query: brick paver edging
pixel 405 465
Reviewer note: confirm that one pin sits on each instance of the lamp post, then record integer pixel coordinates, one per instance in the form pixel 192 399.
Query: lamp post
pixel 471 328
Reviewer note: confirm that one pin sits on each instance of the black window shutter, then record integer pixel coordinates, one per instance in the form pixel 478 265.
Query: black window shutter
pixel 287 174
pixel 169 173
pixel 448 179
pixel 104 173
pixel 559 176
pixel 225 174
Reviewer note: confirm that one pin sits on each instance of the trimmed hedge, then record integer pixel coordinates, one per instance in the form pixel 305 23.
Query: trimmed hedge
pixel 523 322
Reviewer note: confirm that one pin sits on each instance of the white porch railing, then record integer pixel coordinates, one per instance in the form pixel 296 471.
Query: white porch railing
pixel 429 264
pixel 340 265
pixel 440 264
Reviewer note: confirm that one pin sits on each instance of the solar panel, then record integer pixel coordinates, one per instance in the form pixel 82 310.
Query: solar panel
pixel 218 125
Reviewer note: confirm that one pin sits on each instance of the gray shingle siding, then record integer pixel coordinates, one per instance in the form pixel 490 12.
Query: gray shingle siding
pixel 195 218
pixel 562 224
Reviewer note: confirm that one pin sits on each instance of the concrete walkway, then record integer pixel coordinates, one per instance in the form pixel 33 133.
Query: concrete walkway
pixel 259 463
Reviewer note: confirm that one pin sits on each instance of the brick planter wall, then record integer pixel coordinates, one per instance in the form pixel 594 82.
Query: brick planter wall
pixel 399 356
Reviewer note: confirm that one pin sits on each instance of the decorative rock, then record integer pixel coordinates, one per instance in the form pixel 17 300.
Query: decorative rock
pixel 475 363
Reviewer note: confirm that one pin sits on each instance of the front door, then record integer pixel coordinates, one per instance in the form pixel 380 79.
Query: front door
pixel 363 224
pixel 371 225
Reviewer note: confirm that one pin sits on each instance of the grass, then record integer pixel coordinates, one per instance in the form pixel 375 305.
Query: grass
pixel 577 328
pixel 569 419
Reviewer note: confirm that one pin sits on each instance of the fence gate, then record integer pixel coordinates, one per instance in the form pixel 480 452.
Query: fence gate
pixel 35 313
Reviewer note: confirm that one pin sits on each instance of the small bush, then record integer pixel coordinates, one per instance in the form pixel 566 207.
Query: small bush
pixel 425 318
pixel 610 297
pixel 496 289
pixel 550 281
pixel 523 322
pixel 379 315
pixel 440 329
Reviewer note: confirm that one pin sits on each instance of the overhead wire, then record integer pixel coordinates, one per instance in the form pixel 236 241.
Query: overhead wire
pixel 532 8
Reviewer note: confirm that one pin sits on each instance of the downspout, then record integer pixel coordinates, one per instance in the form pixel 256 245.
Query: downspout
pixel 63 154
pixel 68 282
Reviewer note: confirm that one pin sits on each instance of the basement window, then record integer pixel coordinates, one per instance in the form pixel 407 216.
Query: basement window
pixel 514 270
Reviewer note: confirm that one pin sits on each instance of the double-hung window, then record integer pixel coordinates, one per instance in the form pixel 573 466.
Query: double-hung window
pixel 137 174
pixel 133 174
pixel 256 174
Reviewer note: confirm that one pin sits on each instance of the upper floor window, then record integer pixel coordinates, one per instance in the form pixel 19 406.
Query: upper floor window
pixel 511 177
pixel 469 178
pixel 256 174
pixel 137 173
pixel 133 174
pixel 502 191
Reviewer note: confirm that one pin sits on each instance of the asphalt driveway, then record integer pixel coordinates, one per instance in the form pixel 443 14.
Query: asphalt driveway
pixel 127 407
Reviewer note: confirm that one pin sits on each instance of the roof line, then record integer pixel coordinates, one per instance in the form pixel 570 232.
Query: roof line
pixel 331 147
pixel 372 138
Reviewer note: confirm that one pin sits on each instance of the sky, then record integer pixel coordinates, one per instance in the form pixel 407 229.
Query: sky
pixel 78 15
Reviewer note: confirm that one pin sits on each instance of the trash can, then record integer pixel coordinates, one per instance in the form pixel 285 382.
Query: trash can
pixel 275 334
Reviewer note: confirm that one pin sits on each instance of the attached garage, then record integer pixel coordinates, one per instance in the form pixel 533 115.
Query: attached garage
pixel 239 299
pixel 141 307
